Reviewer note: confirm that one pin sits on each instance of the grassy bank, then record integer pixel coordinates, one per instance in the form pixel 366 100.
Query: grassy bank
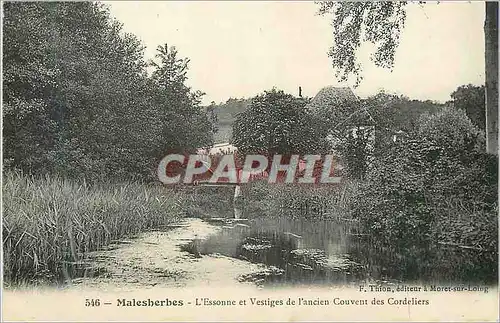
pixel 205 202
pixel 323 201
pixel 50 221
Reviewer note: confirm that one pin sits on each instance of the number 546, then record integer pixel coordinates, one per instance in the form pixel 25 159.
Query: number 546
pixel 92 302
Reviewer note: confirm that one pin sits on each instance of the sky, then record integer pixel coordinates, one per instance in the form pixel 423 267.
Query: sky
pixel 240 49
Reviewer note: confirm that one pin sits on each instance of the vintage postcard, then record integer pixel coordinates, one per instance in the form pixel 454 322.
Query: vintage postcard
pixel 249 161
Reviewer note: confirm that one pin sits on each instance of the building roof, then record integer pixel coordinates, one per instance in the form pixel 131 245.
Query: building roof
pixel 331 95
pixel 341 104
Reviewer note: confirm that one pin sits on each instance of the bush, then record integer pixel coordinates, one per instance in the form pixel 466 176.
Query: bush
pixel 410 188
pixel 452 130
pixel 470 98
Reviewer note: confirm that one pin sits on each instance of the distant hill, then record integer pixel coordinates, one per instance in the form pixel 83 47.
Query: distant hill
pixel 226 114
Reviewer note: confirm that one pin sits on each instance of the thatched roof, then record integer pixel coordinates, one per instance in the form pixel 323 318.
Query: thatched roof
pixel 340 106
pixel 331 96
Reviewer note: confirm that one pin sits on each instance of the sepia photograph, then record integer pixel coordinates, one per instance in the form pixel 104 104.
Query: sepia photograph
pixel 249 161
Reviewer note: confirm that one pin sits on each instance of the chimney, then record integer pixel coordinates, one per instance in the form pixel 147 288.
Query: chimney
pixel 300 91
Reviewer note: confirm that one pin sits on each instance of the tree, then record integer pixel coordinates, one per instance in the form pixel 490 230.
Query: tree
pixel 411 186
pixel 185 124
pixel 276 123
pixel 69 98
pixel 78 100
pixel 380 23
pixel 361 129
pixel 470 98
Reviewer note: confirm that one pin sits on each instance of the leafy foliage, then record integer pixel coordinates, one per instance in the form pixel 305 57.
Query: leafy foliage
pixel 379 23
pixel 470 98
pixel 355 150
pixel 185 125
pixel 452 129
pixel 78 99
pixel 409 188
pixel 276 123
pixel 397 112
pixel 364 128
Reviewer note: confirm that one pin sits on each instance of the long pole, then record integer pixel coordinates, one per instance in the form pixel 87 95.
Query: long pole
pixel 491 73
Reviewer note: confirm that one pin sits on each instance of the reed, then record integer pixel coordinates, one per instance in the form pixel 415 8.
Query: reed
pixel 51 221
pixel 323 201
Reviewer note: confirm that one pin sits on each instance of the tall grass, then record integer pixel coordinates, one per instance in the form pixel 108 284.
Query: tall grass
pixel 322 201
pixel 50 221
pixel 466 225
pixel 206 202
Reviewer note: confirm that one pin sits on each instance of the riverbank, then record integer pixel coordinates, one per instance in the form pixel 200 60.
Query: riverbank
pixel 53 227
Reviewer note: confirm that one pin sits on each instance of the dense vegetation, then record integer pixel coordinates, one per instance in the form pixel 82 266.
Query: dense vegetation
pixel 86 120
pixel 422 181
pixel 78 98
pixel 435 186
pixel 470 98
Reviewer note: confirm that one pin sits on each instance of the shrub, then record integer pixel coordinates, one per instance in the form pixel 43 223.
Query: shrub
pixel 408 190
pixel 470 98
pixel 452 130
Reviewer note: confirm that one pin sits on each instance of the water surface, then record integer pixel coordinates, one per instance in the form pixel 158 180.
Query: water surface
pixel 308 250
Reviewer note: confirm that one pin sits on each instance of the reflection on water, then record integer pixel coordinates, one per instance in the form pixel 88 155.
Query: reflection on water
pixel 237 213
pixel 302 250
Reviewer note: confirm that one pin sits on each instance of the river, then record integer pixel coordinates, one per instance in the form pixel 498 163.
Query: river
pixel 308 250
pixel 286 249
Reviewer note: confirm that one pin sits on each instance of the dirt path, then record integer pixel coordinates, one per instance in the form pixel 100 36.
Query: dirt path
pixel 156 259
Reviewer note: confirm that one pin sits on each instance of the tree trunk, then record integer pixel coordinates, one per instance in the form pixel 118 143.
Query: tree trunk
pixel 491 69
